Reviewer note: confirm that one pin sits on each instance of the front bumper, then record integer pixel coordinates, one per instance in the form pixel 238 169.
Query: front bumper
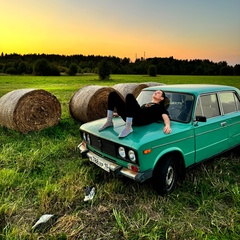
pixel 113 167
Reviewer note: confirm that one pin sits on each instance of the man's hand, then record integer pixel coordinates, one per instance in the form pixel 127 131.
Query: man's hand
pixel 167 129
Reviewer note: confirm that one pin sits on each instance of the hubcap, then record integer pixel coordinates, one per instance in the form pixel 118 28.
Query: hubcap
pixel 169 176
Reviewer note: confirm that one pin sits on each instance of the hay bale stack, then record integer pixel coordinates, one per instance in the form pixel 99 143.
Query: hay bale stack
pixel 125 88
pixel 89 103
pixel 26 110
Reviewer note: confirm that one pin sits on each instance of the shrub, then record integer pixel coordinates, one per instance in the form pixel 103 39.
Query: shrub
pixel 22 68
pixel 11 70
pixel 44 68
pixel 236 70
pixel 152 71
pixel 104 69
pixel 73 69
pixel 54 70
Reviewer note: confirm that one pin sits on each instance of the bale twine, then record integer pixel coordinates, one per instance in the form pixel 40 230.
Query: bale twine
pixel 27 110
pixel 89 103
pixel 125 88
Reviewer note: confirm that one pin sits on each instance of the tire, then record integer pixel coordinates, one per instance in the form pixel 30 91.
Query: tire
pixel 165 176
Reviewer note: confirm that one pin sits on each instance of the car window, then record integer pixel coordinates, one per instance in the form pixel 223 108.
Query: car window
pixel 180 108
pixel 207 105
pixel 144 97
pixel 179 105
pixel 230 102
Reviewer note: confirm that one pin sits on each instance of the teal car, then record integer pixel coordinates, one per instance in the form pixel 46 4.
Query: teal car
pixel 205 122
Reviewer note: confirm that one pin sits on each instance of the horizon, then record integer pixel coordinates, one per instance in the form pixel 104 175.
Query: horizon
pixel 183 30
pixel 79 54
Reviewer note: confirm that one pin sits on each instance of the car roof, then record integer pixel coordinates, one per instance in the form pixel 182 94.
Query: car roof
pixel 192 88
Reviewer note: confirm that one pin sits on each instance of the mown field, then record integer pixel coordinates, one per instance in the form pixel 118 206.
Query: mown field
pixel 42 172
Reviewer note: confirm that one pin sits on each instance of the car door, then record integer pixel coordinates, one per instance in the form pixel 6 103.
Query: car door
pixel 230 105
pixel 211 137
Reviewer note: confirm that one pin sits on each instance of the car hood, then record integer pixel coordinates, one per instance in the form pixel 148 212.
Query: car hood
pixel 140 134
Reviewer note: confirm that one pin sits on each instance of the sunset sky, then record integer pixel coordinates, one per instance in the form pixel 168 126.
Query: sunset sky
pixel 184 29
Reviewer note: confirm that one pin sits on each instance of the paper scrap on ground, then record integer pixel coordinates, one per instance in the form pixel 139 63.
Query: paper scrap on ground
pixel 90 192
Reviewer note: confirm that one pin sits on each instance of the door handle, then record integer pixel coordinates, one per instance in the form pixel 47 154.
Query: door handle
pixel 223 124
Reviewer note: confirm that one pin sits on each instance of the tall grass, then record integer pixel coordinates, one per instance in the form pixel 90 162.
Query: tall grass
pixel 42 172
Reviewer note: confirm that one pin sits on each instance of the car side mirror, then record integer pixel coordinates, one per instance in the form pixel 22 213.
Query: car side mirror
pixel 200 119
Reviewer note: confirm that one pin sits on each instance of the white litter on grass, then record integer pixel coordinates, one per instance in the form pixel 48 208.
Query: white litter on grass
pixel 90 192
pixel 43 219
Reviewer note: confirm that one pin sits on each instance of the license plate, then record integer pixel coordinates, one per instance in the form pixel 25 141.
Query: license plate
pixel 99 162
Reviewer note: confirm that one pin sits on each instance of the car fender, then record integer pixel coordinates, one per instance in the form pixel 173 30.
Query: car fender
pixel 167 152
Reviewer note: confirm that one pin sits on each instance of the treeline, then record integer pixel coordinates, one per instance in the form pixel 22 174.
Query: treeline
pixel 53 64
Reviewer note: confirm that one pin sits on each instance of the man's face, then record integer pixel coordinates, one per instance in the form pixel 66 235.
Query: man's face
pixel 158 96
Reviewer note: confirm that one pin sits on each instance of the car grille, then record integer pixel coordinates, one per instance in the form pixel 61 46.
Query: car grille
pixel 103 145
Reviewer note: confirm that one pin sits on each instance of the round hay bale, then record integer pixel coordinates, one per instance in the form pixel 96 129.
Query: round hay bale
pixel 89 103
pixel 26 110
pixel 125 88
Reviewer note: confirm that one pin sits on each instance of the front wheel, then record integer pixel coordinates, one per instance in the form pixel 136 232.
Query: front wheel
pixel 165 176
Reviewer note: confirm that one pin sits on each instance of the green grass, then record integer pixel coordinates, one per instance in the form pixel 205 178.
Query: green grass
pixel 42 172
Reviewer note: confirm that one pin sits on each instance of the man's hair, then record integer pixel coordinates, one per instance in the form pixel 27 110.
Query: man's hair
pixel 163 94
pixel 166 100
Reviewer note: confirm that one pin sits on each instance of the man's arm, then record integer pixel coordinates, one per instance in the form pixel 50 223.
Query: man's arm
pixel 167 129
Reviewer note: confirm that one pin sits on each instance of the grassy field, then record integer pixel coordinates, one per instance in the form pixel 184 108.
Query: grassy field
pixel 42 172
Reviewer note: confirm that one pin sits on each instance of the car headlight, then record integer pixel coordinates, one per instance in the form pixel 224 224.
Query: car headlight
pixel 122 152
pixel 132 156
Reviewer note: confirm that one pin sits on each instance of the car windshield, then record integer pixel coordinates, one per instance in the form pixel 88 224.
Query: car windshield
pixel 179 105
